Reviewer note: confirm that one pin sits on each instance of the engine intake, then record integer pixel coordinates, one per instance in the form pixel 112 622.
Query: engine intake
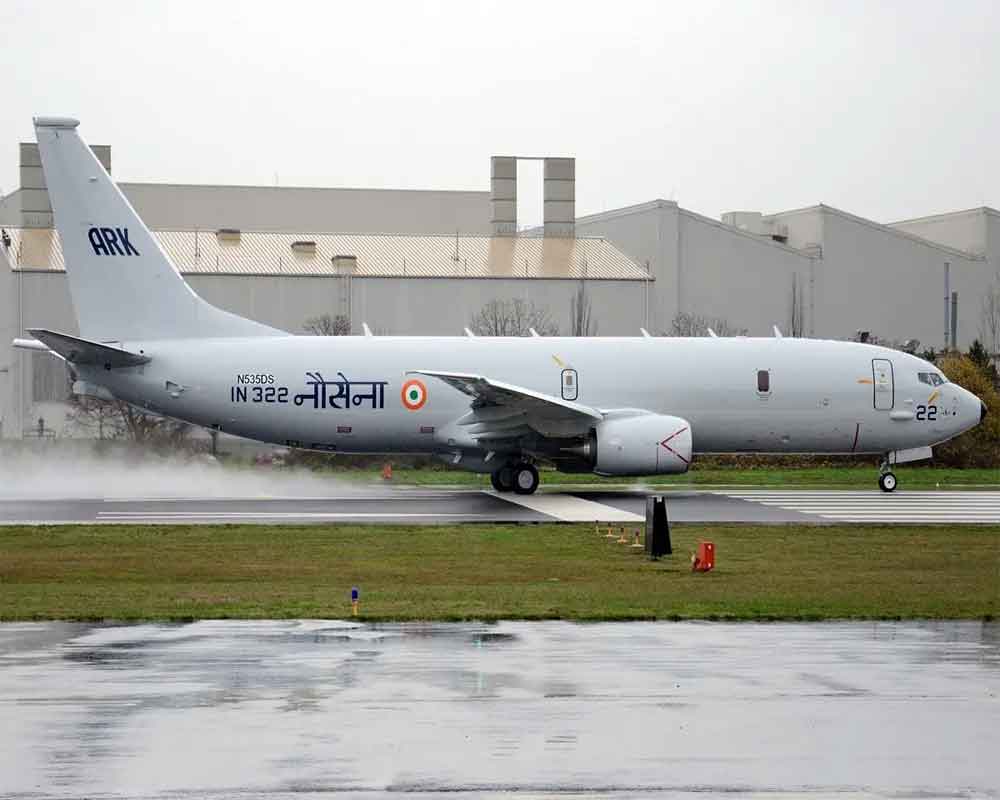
pixel 650 444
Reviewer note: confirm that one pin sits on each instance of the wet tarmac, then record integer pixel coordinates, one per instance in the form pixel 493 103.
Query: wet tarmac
pixel 411 505
pixel 303 708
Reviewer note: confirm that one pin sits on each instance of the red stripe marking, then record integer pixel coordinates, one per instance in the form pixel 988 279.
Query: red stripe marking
pixel 668 447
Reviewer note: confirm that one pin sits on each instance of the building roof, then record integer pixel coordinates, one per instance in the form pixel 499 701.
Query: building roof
pixel 256 253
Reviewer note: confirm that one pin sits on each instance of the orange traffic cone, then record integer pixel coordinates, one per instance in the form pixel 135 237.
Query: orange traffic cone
pixel 387 471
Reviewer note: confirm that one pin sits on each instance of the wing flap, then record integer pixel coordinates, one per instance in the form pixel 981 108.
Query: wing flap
pixel 503 413
pixel 488 393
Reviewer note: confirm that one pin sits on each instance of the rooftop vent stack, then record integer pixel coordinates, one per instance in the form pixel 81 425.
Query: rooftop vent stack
pixel 36 210
pixel 228 235
pixel 747 221
pixel 344 264
pixel 503 195
pixel 560 197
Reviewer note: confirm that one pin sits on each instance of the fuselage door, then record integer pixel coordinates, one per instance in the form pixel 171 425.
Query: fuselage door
pixel 884 388
pixel 570 384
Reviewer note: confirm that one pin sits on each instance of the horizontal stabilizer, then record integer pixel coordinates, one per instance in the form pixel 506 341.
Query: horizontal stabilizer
pixel 30 344
pixel 80 351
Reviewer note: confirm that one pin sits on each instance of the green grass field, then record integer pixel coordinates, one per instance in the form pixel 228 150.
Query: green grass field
pixel 848 477
pixel 495 572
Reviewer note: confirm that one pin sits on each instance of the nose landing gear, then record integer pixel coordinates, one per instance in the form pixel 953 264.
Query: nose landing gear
pixel 886 477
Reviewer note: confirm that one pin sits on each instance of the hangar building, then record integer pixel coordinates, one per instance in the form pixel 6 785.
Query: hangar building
pixel 425 262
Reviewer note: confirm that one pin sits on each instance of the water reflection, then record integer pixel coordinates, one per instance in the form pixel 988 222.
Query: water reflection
pixel 292 706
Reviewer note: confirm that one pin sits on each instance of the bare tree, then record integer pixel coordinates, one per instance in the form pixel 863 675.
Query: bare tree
pixel 116 419
pixel 989 320
pixel 328 325
pixel 581 322
pixel 512 318
pixel 685 324
pixel 100 418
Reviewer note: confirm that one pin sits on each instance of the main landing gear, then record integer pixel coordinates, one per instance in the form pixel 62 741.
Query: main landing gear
pixel 521 478
pixel 886 477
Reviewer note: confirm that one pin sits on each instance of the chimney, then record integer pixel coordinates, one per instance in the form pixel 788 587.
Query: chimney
pixel 503 195
pixel 560 197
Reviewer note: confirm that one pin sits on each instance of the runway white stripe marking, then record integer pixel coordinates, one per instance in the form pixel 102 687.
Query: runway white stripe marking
pixel 192 515
pixel 899 496
pixel 395 494
pixel 871 506
pixel 568 508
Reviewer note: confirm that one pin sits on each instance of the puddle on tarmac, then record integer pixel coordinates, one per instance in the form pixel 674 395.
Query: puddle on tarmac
pixel 291 708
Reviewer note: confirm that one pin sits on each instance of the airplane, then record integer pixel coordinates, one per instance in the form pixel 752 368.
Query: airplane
pixel 612 406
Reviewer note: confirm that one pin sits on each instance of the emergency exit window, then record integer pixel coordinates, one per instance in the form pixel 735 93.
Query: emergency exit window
pixel 570 388
pixel 764 381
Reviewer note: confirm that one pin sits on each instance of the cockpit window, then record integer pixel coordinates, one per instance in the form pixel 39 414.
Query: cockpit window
pixel 931 378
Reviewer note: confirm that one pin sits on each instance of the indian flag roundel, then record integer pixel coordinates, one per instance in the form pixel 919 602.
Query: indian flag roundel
pixel 414 394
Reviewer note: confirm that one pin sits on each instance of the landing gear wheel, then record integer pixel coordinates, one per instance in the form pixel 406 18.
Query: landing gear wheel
pixel 502 479
pixel 525 479
pixel 887 482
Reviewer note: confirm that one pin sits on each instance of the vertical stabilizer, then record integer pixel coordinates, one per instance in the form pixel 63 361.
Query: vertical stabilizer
pixel 123 286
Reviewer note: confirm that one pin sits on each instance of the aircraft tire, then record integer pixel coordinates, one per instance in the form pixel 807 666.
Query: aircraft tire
pixel 887 482
pixel 502 479
pixel 525 478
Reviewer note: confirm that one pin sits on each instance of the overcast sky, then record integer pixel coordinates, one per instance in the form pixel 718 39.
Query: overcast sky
pixel 887 110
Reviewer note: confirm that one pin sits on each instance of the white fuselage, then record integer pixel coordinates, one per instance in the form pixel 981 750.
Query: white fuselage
pixel 822 396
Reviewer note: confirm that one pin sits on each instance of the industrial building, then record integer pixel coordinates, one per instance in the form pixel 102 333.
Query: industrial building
pixel 425 262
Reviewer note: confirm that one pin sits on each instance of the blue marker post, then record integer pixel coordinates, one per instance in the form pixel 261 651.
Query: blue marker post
pixel 355 594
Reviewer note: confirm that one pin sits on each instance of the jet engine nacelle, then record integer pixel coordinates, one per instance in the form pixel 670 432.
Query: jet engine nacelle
pixel 649 444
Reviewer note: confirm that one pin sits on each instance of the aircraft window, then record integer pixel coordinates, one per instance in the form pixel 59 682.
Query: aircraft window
pixel 930 378
pixel 570 384
pixel 763 381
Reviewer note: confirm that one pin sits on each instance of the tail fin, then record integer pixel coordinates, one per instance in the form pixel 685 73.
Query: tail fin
pixel 123 286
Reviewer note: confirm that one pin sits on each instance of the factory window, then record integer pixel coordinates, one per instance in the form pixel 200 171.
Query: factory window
pixel 763 381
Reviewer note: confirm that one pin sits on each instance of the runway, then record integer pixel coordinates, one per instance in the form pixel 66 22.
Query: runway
pixel 403 505
pixel 301 708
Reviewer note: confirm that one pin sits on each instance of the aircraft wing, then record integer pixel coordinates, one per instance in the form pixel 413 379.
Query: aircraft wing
pixel 82 351
pixel 502 411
